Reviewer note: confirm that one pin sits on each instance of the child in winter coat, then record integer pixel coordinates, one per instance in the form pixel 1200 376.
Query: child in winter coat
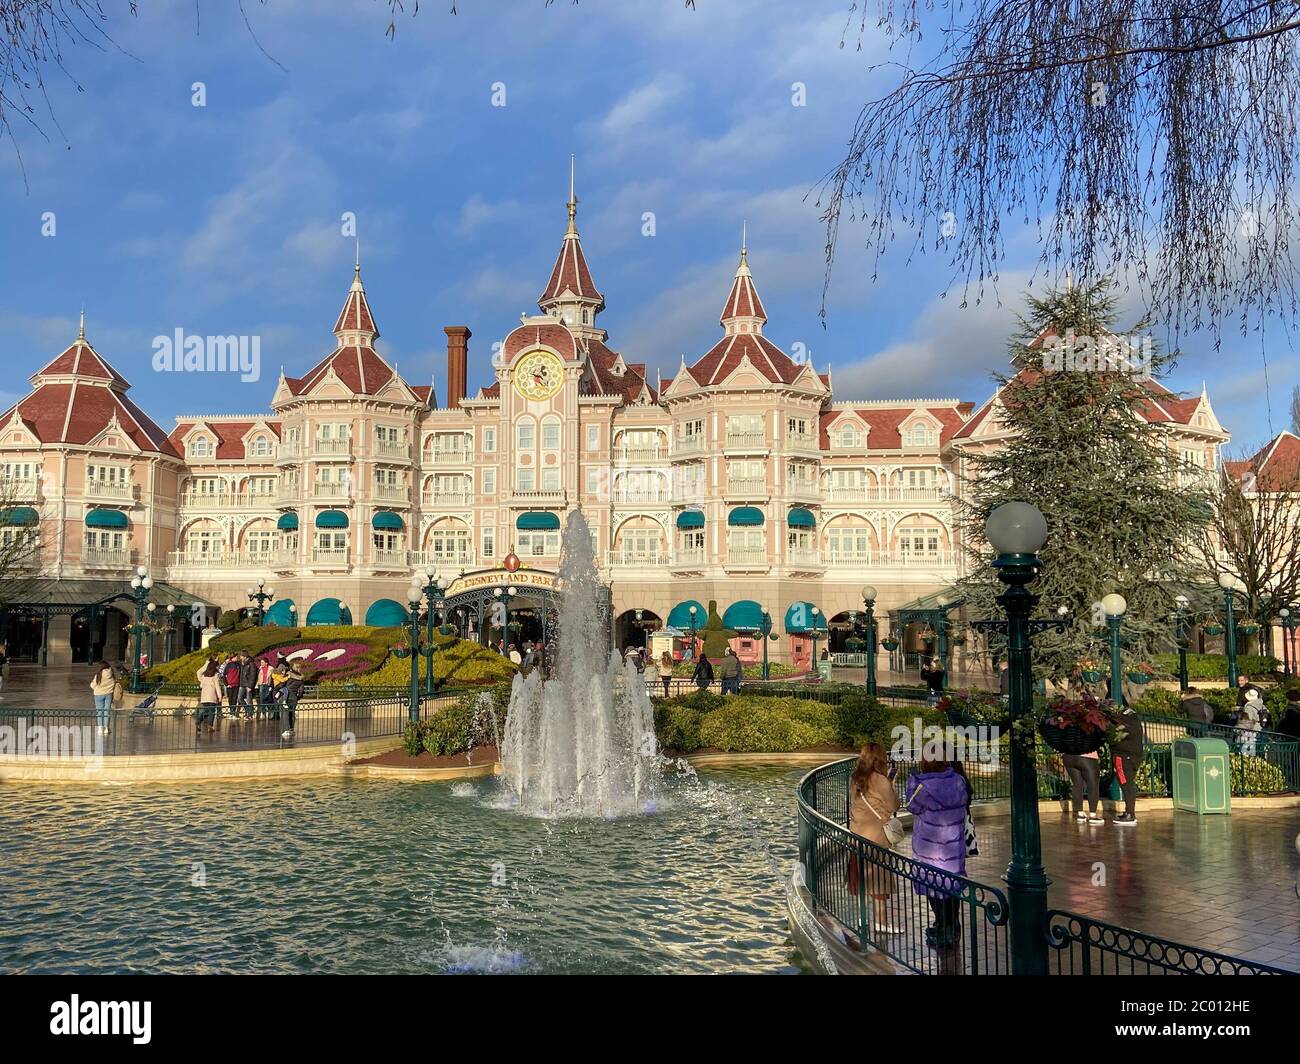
pixel 939 798
pixel 1250 721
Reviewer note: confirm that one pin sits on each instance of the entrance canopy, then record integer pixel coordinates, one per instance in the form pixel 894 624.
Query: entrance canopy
pixel 537 521
pixel 743 616
pixel 680 615
pixel 799 618
pixel 110 519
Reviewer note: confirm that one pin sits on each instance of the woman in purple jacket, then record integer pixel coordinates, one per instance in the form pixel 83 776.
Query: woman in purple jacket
pixel 939 798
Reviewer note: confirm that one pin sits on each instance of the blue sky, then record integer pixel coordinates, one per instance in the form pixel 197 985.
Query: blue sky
pixel 226 219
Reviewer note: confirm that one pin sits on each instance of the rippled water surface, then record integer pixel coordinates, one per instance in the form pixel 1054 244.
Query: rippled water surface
pixel 339 875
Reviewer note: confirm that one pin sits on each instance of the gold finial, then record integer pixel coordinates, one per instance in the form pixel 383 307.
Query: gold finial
pixel 573 200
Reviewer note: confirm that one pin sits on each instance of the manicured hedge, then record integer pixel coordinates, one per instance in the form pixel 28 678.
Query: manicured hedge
pixel 456 728
pixel 768 725
pixel 1215 666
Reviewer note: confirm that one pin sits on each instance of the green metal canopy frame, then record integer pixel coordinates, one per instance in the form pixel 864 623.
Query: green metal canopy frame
pixel 928 611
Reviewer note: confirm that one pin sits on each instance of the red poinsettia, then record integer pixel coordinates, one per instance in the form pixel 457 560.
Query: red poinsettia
pixel 1086 713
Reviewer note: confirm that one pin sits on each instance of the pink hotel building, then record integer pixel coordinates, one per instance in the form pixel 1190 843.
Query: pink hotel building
pixel 740 480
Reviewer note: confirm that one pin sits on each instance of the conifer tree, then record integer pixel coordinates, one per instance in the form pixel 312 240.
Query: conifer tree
pixel 1122 508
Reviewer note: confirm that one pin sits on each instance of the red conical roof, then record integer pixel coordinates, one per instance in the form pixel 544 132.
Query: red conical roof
pixel 743 302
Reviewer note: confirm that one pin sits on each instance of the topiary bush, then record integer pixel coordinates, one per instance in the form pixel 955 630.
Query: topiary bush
pixel 859 718
pixel 768 725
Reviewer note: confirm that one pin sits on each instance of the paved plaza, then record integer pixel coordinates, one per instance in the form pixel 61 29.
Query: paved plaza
pixel 1225 883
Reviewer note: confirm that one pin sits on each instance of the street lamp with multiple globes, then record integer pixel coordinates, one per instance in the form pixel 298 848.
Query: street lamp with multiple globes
pixel 1114 606
pixel 1017 531
pixel 141 584
pixel 413 596
pixel 869 605
pixel 1230 584
pixel 428 583
pixel 1180 638
pixel 261 595
pixel 505 594
pixel 170 630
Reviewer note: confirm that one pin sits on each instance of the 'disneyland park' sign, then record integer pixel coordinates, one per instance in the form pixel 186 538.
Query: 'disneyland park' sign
pixel 524 579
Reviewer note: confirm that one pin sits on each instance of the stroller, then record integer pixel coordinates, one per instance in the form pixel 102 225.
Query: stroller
pixel 146 709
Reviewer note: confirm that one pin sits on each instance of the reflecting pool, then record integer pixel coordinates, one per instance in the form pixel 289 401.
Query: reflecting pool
pixel 353 876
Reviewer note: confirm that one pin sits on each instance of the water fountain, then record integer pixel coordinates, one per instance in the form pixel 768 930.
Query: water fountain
pixel 583 743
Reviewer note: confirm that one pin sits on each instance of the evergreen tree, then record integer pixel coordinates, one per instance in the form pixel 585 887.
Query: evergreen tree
pixel 1122 510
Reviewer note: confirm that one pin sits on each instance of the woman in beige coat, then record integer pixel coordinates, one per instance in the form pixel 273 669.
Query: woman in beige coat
pixel 873 801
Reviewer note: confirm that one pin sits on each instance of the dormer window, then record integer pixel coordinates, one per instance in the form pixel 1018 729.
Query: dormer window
pixel 201 447
pixel 848 437
pixel 920 436
pixel 261 447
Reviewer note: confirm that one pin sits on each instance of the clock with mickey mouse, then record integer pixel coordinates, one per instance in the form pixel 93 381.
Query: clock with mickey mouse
pixel 538 375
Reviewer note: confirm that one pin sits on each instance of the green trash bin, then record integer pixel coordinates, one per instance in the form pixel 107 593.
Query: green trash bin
pixel 824 670
pixel 1202 776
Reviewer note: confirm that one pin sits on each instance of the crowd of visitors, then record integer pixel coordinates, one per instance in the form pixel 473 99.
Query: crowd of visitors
pixel 249 689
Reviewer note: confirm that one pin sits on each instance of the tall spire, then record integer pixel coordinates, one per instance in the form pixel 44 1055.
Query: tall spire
pixel 571 295
pixel 81 328
pixel 357 269
pixel 743 311
pixel 356 326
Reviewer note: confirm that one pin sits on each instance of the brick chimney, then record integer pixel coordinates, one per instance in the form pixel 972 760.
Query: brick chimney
pixel 457 363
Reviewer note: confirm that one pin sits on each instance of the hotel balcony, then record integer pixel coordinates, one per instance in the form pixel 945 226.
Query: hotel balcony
pixel 803 491
pixel 110 490
pixel 105 558
pixel 288 452
pixel 445 562
pixel 289 494
pixel 329 558
pixel 804 559
pixel 886 494
pixel 392 452
pixel 390 559
pixel 746 488
pixel 640 454
pixel 259 500
pixel 689 559
pixel 746 441
pixel 331 490
pixel 538 497
pixel 633 558
pixel 890 559
pixel 434 500
pixel 439 457
pixel 258 561
pixel 19 490
pixel 393 493
pixel 640 496
pixel 687 446
pixel 747 558
pixel 693 494
pixel 805 443
pixel 322 448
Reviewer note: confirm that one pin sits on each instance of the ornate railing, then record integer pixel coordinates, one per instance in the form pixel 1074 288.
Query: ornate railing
pixel 887 901
pixel 1276 772
pixel 1083 946
pixel 934 922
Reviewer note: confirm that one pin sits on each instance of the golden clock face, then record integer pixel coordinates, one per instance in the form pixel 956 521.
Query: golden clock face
pixel 538 375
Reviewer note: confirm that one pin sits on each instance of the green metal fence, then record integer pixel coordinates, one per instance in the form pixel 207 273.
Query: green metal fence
pixel 1272 768
pixel 843 871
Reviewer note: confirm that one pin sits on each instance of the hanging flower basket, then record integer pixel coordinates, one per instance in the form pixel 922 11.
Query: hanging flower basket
pixel 401 652
pixel 1092 675
pixel 1249 628
pixel 1072 739
pixel 889 644
pixel 1213 629
pixel 1139 677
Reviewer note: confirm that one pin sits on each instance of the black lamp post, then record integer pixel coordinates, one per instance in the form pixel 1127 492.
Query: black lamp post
pixel 505 594
pixel 765 626
pixel 170 630
pixel 1114 607
pixel 1288 626
pixel 1180 639
pixel 816 612
pixel 869 604
pixel 1229 585
pixel 694 649
pixel 1017 531
pixel 140 586
pixel 428 583
pixel 261 595
pixel 413 623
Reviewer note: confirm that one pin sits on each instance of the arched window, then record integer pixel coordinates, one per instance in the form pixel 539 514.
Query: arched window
pixel 848 436
pixel 525 434
pixel 261 447
pixel 586 317
pixel 201 447
pixel 550 433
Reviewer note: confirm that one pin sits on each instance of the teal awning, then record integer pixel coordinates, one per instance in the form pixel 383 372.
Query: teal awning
pixel 537 521
pixel 287 522
pixel 745 517
pixel 19 515
pixel 799 618
pixel 280 613
pixel 329 611
pixel 386 613
pixel 744 616
pixel 387 521
pixel 101 518
pixel 331 519
pixel 680 616
pixel 801 517
pixel 690 519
